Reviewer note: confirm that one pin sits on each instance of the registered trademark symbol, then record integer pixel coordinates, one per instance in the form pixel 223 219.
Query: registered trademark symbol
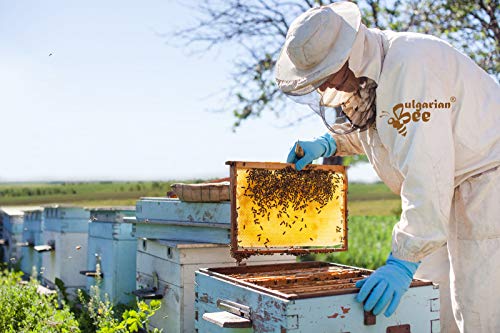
pixel 453 99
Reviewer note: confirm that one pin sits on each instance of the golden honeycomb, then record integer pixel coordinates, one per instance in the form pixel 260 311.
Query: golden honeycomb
pixel 284 208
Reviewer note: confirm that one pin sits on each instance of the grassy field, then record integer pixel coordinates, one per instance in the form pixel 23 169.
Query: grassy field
pixel 84 193
pixel 364 199
pixel 369 243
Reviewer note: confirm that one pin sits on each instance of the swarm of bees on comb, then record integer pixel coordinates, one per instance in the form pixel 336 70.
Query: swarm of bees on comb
pixel 286 207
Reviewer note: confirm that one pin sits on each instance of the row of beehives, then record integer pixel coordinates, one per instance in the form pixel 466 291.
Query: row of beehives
pixel 151 252
pixel 58 242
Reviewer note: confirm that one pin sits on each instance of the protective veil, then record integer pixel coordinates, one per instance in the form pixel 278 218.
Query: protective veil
pixel 343 113
pixel 436 142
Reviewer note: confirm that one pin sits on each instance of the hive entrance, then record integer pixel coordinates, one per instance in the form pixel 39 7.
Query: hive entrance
pixel 278 209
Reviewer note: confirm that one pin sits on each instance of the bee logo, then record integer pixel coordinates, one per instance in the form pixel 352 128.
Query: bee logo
pixel 400 118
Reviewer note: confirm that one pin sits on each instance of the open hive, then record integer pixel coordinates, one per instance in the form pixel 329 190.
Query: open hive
pixel 297 280
pixel 278 209
pixel 271 204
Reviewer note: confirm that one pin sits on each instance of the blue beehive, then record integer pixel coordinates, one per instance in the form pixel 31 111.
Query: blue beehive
pixel 32 235
pixel 64 246
pixel 303 298
pixel 164 218
pixel 12 220
pixel 112 246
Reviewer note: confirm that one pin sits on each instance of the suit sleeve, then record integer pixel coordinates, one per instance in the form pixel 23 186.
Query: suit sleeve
pixel 348 144
pixel 424 155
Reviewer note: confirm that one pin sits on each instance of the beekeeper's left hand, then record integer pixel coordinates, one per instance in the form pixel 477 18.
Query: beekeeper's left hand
pixel 386 286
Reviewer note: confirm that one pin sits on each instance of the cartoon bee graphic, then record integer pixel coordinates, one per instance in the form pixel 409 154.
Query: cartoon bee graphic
pixel 400 118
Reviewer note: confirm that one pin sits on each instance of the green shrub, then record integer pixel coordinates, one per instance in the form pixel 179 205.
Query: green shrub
pixel 23 309
pixel 99 316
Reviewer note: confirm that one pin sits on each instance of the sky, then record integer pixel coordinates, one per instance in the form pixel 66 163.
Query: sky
pixel 95 90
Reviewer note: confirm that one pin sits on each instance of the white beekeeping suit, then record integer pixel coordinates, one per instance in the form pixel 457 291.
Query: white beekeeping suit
pixel 443 163
pixel 435 142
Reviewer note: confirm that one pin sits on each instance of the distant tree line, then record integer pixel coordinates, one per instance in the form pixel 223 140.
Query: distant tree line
pixel 38 191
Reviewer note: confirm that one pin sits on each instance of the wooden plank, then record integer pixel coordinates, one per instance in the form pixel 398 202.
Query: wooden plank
pixel 268 268
pixel 346 218
pixel 234 214
pixel 326 285
pixel 297 281
pixel 279 165
pixel 304 276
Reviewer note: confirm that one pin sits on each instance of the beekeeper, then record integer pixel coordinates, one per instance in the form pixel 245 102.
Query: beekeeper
pixel 428 119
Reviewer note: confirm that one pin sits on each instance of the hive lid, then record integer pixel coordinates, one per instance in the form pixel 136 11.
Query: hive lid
pixel 276 209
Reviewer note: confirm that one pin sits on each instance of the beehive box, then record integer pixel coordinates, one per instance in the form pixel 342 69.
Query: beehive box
pixel 31 261
pixel 164 218
pixel 64 246
pixel 166 270
pixel 175 239
pixel 12 220
pixel 112 246
pixel 303 297
pixel 271 204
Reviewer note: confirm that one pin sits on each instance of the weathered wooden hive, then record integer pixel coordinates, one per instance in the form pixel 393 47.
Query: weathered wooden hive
pixel 64 246
pixel 112 247
pixel 31 261
pixel 276 209
pixel 175 239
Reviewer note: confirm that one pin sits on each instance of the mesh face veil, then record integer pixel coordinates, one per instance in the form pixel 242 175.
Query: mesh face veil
pixel 342 113
pixel 333 117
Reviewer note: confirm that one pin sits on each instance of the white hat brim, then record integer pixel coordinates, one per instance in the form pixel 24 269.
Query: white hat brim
pixel 290 78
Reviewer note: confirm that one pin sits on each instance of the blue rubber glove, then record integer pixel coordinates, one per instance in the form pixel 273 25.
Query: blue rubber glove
pixel 323 146
pixel 386 285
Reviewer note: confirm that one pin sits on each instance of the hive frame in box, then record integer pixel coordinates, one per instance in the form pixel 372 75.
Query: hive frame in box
pixel 245 253
pixel 223 274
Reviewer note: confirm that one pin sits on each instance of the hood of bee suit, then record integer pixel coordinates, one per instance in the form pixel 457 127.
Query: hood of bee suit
pixel 365 60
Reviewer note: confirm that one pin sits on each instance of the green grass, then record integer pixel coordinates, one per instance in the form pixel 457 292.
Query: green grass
pixel 369 243
pixel 377 191
pixel 374 207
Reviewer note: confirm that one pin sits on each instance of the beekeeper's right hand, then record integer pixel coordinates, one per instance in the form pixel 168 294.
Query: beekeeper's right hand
pixel 323 146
